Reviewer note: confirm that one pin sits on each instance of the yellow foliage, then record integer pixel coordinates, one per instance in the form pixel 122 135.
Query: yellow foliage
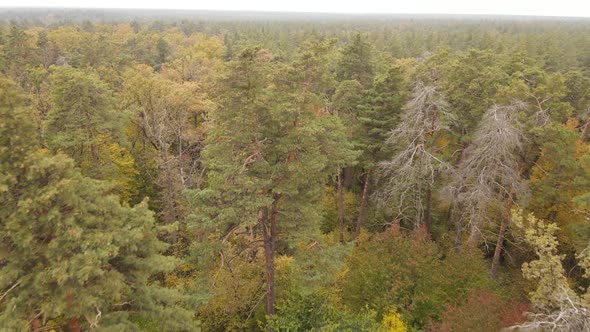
pixel 572 123
pixel 199 60
pixel 284 262
pixel 114 163
pixel 181 277
pixel 582 149
pixel 44 151
pixel 392 322
pixel 443 143
pixel 66 39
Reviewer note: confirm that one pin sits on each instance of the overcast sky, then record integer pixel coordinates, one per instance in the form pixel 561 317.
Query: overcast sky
pixel 506 7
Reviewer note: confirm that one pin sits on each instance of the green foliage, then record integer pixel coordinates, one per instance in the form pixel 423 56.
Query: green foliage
pixel 407 272
pixel 560 175
pixel 70 250
pixel 82 109
pixel 318 312
pixel 330 210
pixel 356 61
pixel 215 132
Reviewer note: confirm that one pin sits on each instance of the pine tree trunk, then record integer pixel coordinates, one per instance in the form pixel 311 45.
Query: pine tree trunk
pixel 74 324
pixel 427 218
pixel 269 232
pixel 35 323
pixel 364 198
pixel 450 214
pixel 458 226
pixel 498 251
pixel 505 219
pixel 269 262
pixel 340 207
pixel 347 177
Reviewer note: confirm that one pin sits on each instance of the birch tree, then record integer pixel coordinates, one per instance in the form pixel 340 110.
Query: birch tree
pixel 169 117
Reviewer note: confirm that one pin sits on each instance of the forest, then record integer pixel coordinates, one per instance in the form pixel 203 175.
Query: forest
pixel 226 171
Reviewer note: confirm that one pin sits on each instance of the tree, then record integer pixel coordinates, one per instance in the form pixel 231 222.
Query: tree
pixel 356 61
pixel 410 274
pixel 40 99
pixel 201 62
pixel 82 108
pixel 489 176
pixel 70 251
pixel 560 174
pixel 556 305
pixel 18 53
pixel 416 163
pixel 345 102
pixel 83 123
pixel 378 114
pixel 268 153
pixel 168 116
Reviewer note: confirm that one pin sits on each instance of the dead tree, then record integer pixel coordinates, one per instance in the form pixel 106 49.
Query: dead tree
pixel 408 177
pixel 489 177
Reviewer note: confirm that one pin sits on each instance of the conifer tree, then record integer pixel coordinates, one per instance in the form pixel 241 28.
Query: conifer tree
pixel 71 254
pixel 82 108
pixel 411 172
pixel 268 153
pixel 378 113
pixel 489 176
pixel 356 61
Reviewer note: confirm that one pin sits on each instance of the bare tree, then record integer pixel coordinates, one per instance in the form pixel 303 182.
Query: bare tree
pixel 569 316
pixel 489 177
pixel 411 173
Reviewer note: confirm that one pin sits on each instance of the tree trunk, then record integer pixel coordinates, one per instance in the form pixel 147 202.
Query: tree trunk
pixel 427 218
pixel 347 177
pixel 340 207
pixel 505 219
pixel 169 190
pixel 269 262
pixel 364 198
pixel 35 323
pixel 450 214
pixel 498 251
pixel 458 226
pixel 269 232
pixel 74 324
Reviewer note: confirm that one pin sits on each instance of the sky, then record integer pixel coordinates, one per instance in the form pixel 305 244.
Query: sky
pixel 579 8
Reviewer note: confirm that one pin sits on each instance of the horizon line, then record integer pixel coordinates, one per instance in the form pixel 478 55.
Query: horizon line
pixel 261 11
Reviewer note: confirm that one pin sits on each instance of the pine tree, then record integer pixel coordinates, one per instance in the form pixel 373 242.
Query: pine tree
pixel 356 61
pixel 378 113
pixel 412 171
pixel 82 108
pixel 70 251
pixel 268 153
pixel 561 173
pixel 489 176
